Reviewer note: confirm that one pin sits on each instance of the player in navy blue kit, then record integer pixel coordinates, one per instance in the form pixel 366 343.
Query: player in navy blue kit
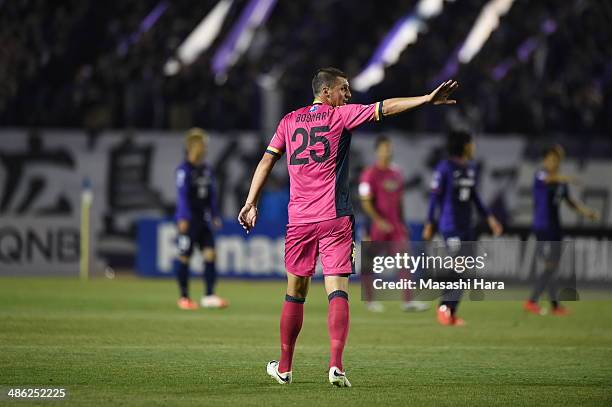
pixel 196 216
pixel 550 189
pixel 453 191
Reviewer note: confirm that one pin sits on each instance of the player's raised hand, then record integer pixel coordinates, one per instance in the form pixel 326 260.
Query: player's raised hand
pixel 568 179
pixel 440 95
pixel 248 216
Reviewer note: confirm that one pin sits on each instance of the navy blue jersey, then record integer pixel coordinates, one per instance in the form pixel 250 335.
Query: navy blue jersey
pixel 547 197
pixel 196 198
pixel 453 190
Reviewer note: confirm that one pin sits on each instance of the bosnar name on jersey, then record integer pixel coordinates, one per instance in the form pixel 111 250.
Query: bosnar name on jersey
pixel 311 117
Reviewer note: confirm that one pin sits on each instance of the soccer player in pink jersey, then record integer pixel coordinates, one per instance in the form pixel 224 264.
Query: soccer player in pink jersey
pixel 316 139
pixel 381 189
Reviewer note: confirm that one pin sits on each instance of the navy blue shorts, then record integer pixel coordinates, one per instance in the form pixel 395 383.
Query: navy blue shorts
pixel 548 235
pixel 459 243
pixel 199 234
pixel 456 244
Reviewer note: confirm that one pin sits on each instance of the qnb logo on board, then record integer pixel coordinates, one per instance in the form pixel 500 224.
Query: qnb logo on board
pixel 28 246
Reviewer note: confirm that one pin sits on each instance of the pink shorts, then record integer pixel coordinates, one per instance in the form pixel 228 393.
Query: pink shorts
pixel 332 238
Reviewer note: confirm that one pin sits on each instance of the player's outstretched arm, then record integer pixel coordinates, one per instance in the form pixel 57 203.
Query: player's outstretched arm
pixel 561 179
pixel 582 209
pixel 438 97
pixel 248 214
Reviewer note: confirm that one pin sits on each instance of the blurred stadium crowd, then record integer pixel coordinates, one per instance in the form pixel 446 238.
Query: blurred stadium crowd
pixel 547 68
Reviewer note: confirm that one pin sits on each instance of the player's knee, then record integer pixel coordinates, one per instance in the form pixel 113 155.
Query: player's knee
pixel 209 254
pixel 336 283
pixel 298 287
pixel 298 292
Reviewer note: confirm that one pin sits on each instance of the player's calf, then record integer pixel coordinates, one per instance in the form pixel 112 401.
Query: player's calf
pixel 338 326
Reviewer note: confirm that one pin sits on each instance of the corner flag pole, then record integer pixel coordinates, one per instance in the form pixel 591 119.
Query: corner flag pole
pixel 86 202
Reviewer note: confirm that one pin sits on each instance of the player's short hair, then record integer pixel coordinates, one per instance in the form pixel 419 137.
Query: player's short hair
pixel 555 149
pixel 456 142
pixel 325 77
pixel 380 140
pixel 195 134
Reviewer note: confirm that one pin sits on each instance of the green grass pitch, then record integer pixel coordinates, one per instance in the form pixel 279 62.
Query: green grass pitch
pixel 124 342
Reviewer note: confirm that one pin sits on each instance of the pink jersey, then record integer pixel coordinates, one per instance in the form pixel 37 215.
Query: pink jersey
pixel 385 186
pixel 316 139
